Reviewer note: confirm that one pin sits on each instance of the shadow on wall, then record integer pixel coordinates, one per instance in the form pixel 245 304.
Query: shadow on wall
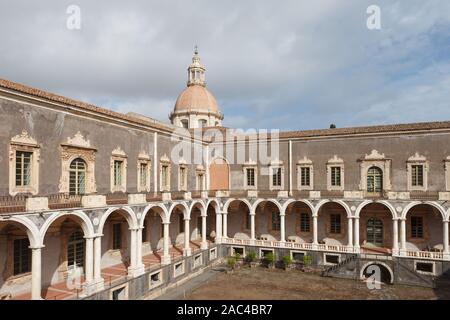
pixel 442 284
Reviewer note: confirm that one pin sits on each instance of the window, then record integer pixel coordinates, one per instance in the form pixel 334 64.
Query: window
pixel 165 177
pixel 118 173
pixel 77 177
pixel 335 223
pixel 336 176
pixel 304 223
pixel 276 177
pixel 22 256
pixel 117 236
pixel 143 174
pixel 417 175
pixel 182 178
pixel 185 124
pixel 374 232
pixel 202 123
pixel 23 168
pixel 305 176
pixel 75 250
pixel 276 221
pixel 200 186
pixel 250 177
pixel 374 180
pixel 416 227
pixel 23 165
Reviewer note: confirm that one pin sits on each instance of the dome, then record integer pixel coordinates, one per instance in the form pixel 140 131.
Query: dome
pixel 196 98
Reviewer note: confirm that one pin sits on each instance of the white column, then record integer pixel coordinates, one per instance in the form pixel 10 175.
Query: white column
pixel 282 228
pixel 187 246
pixel 356 232
pixel 204 244
pixel 350 232
pixel 155 162
pixel 225 224
pixel 89 272
pixel 403 235
pixel 315 235
pixel 98 262
pixel 252 226
pixel 446 244
pixel 394 236
pixel 165 259
pixel 133 251
pixel 36 273
pixel 218 227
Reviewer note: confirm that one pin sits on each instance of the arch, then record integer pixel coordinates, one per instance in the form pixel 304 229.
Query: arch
pixel 163 214
pixel 367 202
pixel 32 230
pixel 430 203
pixel 129 216
pixel 186 211
pixel 202 207
pixel 86 224
pixel 259 201
pixel 215 203
pixel 229 201
pixel 340 202
pixel 380 263
pixel 219 174
pixel 292 201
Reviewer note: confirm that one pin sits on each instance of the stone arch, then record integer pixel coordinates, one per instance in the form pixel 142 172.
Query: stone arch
pixel 384 203
pixel 380 263
pixel 273 201
pixel 229 201
pixel 202 207
pixel 31 229
pixel 430 203
pixel 340 202
pixel 292 201
pixel 186 211
pixel 215 203
pixel 128 214
pixel 85 222
pixel 163 214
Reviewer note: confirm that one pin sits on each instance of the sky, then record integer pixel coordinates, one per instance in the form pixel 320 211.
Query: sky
pixel 288 65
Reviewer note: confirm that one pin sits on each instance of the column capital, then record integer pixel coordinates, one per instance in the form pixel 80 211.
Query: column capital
pixel 40 246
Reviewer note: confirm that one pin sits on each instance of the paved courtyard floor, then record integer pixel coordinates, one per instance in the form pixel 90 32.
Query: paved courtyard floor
pixel 264 284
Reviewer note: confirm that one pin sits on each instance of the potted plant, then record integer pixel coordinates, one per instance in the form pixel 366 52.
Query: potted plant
pixel 270 260
pixel 251 259
pixel 287 262
pixel 231 262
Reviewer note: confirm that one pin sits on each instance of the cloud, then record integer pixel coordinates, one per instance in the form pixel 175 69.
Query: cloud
pixel 290 65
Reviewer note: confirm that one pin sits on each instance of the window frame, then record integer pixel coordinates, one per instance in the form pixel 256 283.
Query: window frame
pixel 333 163
pixel 417 160
pixel 276 165
pixel 118 155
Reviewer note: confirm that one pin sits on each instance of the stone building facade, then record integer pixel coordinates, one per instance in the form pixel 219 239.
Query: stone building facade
pixel 96 204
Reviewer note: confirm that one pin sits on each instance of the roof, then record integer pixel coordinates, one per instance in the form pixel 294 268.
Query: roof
pixel 196 98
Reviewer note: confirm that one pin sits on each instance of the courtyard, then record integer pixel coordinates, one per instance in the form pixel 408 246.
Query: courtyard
pixel 264 284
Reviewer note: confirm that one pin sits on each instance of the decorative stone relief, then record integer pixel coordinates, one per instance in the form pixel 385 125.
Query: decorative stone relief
pixel 79 141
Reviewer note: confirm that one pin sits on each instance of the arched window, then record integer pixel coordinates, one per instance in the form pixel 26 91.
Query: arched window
pixel 185 123
pixel 202 123
pixel 75 250
pixel 276 221
pixel 77 177
pixel 374 180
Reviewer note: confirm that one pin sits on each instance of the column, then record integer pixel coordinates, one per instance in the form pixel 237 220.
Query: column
pixel 165 259
pixel 36 273
pixel 446 244
pixel 204 244
pixel 133 251
pixel 218 227
pixel 350 232
pixel 225 224
pixel 356 231
pixel 315 235
pixel 395 237
pixel 187 246
pixel 139 264
pixel 252 226
pixel 282 228
pixel 98 262
pixel 403 236
pixel 89 265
